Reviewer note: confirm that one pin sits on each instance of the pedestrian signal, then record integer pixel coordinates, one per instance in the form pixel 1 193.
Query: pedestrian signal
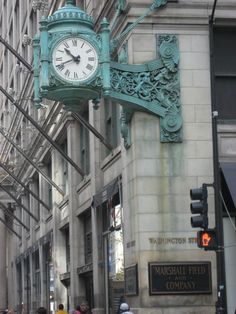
pixel 207 239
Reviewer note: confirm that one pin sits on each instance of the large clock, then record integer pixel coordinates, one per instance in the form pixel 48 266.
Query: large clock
pixel 75 59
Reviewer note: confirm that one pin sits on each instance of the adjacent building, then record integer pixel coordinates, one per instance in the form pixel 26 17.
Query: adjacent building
pixel 112 220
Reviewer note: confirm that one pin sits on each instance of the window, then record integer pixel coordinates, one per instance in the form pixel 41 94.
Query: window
pixel 27 284
pixel 67 240
pixel 112 124
pixel 10 58
pixel 84 146
pixel 224 51
pixel 27 205
pixel 64 167
pixel 16 22
pixel 88 238
pixel 35 186
pixel 19 287
pixel 36 281
pixel 49 187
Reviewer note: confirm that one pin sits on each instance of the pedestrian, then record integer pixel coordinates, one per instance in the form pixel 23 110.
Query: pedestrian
pixel 84 308
pixel 41 310
pixel 77 310
pixel 124 308
pixel 121 300
pixel 61 309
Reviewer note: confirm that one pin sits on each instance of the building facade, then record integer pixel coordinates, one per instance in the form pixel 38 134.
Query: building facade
pixel 118 224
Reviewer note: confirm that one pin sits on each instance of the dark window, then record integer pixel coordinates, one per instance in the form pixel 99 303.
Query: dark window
pixel 49 190
pixel 64 167
pixel 84 145
pixel 112 123
pixel 36 281
pixel 88 238
pixel 224 52
pixel 19 286
pixel 67 239
pixel 228 194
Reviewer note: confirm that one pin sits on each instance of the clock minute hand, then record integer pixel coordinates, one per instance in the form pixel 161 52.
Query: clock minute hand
pixel 67 61
pixel 61 65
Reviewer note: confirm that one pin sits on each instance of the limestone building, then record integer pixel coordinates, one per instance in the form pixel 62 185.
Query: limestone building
pixel 118 224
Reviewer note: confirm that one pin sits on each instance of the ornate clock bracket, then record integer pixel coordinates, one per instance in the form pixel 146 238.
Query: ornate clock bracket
pixel 151 87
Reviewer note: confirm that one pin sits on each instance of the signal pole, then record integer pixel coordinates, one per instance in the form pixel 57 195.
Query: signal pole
pixel 221 304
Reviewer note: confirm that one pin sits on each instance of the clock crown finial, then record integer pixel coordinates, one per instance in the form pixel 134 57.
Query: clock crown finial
pixel 70 2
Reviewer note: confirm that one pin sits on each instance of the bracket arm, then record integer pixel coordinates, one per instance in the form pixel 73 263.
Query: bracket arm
pixel 156 4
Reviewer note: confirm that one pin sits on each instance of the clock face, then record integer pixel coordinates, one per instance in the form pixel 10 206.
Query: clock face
pixel 75 59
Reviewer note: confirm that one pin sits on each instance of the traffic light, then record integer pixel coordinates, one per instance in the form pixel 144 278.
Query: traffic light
pixel 207 239
pixel 199 207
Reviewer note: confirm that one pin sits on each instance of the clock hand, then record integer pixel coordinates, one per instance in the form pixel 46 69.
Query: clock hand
pixel 67 61
pixel 69 53
pixel 75 58
pixel 62 63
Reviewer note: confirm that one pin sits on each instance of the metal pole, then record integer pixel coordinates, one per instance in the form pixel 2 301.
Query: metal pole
pixel 24 186
pixel 221 305
pixel 11 229
pixel 32 163
pixel 38 127
pixel 7 211
pixel 213 12
pixel 78 117
pixel 18 202
pixel 106 274
pixel 16 54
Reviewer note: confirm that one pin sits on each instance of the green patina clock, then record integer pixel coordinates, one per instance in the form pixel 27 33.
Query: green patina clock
pixel 73 64
pixel 67 58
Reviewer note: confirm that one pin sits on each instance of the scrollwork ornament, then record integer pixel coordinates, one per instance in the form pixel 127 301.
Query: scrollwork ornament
pixel 172 122
pixel 158 85
pixel 171 128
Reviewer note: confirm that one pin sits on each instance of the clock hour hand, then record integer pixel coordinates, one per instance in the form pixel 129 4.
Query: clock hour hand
pixel 75 58
pixel 69 53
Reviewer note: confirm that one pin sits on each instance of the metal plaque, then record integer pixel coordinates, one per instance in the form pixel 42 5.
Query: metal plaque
pixel 131 280
pixel 180 278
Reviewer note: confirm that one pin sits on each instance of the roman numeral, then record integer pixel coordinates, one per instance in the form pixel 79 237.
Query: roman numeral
pixel 60 67
pixel 67 73
pixel 88 51
pixel 82 45
pixel 89 67
pixel 61 50
pixel 74 42
pixel 66 44
pixel 75 75
pixel 91 58
pixel 59 59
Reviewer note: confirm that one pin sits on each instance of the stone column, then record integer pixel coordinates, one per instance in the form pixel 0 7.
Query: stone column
pixel 32 296
pixel 42 281
pixel 76 229
pixel 43 194
pixel 58 245
pixel 32 207
pixel 3 290
pixel 96 185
